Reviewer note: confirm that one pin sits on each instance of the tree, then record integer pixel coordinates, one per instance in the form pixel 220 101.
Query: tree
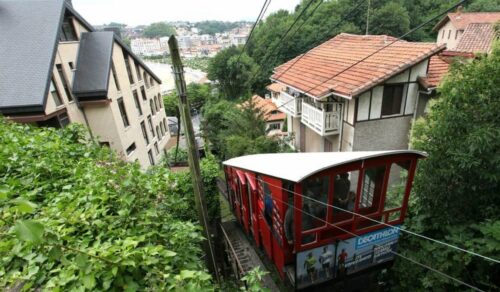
pixel 198 95
pixel 456 188
pixel 391 19
pixel 159 29
pixel 232 72
pixel 214 26
pixel 484 6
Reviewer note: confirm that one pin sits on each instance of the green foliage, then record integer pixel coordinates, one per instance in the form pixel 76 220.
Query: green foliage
pixel 236 130
pixel 456 187
pixel 484 6
pixel 75 217
pixel 234 76
pixel 182 155
pixel 391 19
pixel 253 280
pixel 198 95
pixel 214 26
pixel 159 29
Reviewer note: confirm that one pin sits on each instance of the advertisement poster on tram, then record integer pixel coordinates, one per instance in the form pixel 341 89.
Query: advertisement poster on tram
pixel 315 266
pixel 367 250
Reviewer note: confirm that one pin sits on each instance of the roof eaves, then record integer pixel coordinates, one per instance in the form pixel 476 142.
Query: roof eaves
pixel 441 23
pixel 52 61
pixel 398 70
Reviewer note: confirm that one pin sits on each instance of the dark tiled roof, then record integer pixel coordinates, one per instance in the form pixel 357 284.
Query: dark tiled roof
pixel 339 66
pixel 477 37
pixel 28 43
pixel 93 64
pixel 29 32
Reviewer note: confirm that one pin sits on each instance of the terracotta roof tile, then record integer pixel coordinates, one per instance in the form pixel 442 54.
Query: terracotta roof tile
pixel 275 87
pixel 477 37
pixel 315 73
pixel 438 68
pixel 268 108
pixel 460 20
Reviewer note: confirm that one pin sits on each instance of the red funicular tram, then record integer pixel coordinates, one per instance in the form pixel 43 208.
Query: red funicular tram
pixel 323 216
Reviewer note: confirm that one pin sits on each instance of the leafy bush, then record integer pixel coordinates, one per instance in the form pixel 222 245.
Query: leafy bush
pixel 74 217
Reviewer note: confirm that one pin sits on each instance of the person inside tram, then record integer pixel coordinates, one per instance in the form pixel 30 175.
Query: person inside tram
pixel 307 222
pixel 351 201
pixel 341 188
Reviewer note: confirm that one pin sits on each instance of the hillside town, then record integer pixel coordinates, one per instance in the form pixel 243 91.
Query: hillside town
pixel 322 146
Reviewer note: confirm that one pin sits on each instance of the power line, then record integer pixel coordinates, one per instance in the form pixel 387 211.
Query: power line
pixel 349 14
pixel 393 252
pixel 385 224
pixel 391 43
pixel 259 17
pixel 290 28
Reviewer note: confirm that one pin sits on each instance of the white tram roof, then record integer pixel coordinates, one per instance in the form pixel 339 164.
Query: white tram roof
pixel 297 166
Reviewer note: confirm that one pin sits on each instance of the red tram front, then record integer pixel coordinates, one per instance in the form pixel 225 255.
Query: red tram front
pixel 323 216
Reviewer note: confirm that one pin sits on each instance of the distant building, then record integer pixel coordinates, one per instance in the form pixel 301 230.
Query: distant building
pixel 467 31
pixel 274 118
pixel 147 47
pixel 56 69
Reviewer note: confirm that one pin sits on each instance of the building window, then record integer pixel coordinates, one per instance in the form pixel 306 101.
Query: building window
pixel 156 149
pixel 138 71
pixel 137 103
pixel 63 120
pixel 123 112
pixel 127 65
pixel 442 35
pixel 151 82
pixel 158 132
pixel 160 101
pixel 156 104
pixel 71 65
pixel 275 126
pixel 117 83
pixel 68 33
pixel 143 92
pixel 151 160
pixel 151 126
pixel 392 99
pixel 152 107
pixel 55 93
pixel 165 125
pixel 64 82
pixel 161 129
pixel 144 133
pixel 449 33
pixel 145 79
pixel 130 149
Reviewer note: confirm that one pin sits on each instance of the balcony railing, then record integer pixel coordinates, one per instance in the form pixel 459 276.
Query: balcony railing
pixel 322 122
pixel 289 104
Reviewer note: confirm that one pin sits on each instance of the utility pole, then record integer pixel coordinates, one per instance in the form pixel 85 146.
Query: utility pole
pixel 194 162
pixel 368 17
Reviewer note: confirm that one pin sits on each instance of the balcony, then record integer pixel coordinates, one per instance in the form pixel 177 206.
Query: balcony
pixel 289 104
pixel 322 121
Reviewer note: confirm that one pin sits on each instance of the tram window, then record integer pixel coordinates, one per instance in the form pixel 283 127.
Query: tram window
pixel 344 195
pixel 289 214
pixel 268 203
pixel 372 187
pixel 398 178
pixel 314 202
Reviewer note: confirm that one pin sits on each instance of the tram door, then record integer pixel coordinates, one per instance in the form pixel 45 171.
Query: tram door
pixel 237 197
pixel 245 202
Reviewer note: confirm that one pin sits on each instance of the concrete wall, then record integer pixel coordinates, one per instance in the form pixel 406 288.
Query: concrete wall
pixel 454 36
pixel 383 134
pixel 105 120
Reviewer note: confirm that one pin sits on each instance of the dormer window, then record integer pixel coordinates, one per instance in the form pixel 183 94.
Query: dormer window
pixel 68 33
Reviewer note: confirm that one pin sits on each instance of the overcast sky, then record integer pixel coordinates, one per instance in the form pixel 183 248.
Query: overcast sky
pixel 135 12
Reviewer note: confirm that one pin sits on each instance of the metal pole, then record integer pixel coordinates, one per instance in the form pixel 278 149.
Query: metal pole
pixel 194 163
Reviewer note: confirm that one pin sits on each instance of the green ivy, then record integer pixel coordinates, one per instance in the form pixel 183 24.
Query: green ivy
pixel 75 217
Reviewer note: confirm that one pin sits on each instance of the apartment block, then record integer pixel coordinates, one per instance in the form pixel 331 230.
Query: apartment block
pixel 56 69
